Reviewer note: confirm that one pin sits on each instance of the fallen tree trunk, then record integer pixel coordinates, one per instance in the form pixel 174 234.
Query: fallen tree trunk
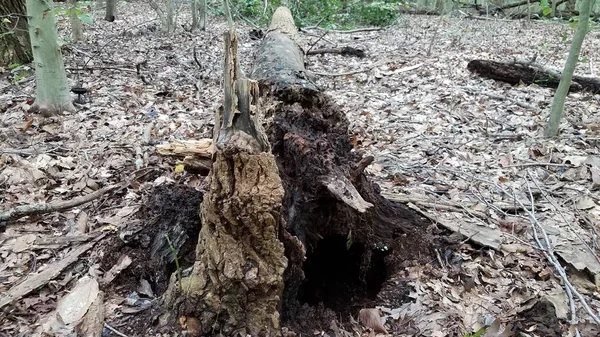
pixel 529 73
pixel 342 238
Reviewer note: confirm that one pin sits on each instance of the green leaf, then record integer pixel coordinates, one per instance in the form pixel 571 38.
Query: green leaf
pixel 13 65
pixel 86 19
pixel 575 23
pixel 584 59
pixel 5 20
pixel 546 11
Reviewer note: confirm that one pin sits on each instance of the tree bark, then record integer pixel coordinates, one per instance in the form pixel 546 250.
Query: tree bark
pixel 236 284
pixel 110 10
pixel 76 30
pixel 52 90
pixel 15 46
pixel 558 103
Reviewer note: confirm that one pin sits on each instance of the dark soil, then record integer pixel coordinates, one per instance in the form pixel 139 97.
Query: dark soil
pixel 170 210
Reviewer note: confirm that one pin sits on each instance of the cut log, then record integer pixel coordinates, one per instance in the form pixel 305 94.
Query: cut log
pixel 529 73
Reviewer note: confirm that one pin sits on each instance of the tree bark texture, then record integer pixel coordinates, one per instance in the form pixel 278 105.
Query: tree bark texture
pixel 14 36
pixel 236 284
pixel 517 73
pixel 76 27
pixel 52 90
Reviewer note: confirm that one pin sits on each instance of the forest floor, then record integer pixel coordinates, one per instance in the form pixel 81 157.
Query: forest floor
pixel 465 152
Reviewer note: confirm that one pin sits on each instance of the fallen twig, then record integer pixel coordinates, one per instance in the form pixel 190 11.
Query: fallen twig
pixel 42 208
pixel 376 64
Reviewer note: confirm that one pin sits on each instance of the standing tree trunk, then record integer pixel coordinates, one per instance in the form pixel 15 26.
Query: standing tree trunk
pixel 558 103
pixel 170 18
pixel 52 90
pixel 110 10
pixel 236 284
pixel 194 8
pixel 14 37
pixel 76 31
pixel 198 15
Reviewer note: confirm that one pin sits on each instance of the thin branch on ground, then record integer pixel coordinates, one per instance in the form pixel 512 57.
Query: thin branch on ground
pixel 374 65
pixel 42 208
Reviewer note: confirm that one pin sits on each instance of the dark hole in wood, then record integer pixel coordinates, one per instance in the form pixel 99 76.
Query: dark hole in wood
pixel 333 276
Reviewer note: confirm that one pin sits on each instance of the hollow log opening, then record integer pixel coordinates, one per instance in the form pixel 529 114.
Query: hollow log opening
pixel 343 239
pixel 333 276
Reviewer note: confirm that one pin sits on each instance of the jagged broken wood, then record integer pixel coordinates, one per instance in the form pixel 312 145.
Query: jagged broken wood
pixel 236 284
pixel 529 73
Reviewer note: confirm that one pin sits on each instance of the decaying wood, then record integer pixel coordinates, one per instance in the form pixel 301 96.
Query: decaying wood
pixel 200 148
pixel 326 191
pixel 236 283
pixel 529 73
pixel 33 282
pixel 42 208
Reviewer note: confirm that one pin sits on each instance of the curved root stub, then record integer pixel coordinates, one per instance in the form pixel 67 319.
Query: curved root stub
pixel 237 280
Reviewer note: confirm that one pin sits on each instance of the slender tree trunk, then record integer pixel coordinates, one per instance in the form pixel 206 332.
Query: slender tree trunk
pixel 14 36
pixel 558 104
pixel 76 31
pixel 194 6
pixel 110 10
pixel 170 19
pixel 52 90
pixel 202 14
pixel 198 14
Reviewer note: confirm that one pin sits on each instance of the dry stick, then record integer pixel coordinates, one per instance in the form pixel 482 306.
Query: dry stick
pixel 115 331
pixel 41 208
pixel 549 251
pixel 545 195
pixel 33 282
pixel 376 64
pixel 550 257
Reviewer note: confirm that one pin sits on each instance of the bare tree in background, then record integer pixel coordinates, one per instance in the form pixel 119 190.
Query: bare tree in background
pixel 110 10
pixel 14 37
pixel 76 30
pixel 558 104
pixel 198 14
pixel 52 90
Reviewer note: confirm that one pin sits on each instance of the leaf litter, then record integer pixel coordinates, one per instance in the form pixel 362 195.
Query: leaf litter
pixel 463 151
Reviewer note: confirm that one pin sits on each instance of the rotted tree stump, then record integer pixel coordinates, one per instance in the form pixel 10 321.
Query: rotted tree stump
pixel 289 219
pixel 236 283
